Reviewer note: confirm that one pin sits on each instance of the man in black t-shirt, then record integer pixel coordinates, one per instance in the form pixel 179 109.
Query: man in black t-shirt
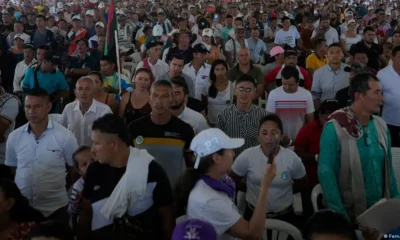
pixel 165 137
pixel 150 218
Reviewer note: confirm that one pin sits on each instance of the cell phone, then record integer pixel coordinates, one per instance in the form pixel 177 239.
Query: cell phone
pixel 315 12
pixel 216 17
pixel 275 146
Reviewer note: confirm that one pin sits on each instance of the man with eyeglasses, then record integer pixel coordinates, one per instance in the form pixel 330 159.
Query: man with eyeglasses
pixel 241 119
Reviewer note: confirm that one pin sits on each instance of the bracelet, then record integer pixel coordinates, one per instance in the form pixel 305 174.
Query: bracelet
pixel 316 157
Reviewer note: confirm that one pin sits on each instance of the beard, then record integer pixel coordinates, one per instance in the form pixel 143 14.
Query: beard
pixel 177 106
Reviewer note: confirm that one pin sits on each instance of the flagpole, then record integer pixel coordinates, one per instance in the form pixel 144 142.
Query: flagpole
pixel 118 61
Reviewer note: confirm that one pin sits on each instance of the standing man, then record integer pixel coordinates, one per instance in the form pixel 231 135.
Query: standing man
pixel 233 46
pixel 79 115
pixel 42 35
pixel 241 120
pixel 150 216
pixel 38 152
pixel 164 136
pixel 355 161
pixel 76 33
pixel 288 35
pixel 20 69
pixel 374 51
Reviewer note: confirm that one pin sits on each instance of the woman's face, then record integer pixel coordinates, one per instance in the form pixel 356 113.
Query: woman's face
pixel 142 81
pixel 19 43
pixel 220 71
pixel 97 83
pixel 225 160
pixel 267 132
pixel 5 204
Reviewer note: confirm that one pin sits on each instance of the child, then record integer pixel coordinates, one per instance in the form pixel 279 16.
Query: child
pixel 82 158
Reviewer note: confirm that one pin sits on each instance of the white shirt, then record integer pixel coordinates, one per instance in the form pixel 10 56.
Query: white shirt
pixel 8 111
pixel 350 41
pixel 40 164
pixel 20 70
pixel 252 164
pixel 200 78
pixel 291 108
pixel 81 125
pixel 194 119
pixel 331 36
pixel 389 80
pixel 10 38
pixel 213 207
pixel 93 39
pixel 229 48
pixel 221 101
pixel 287 37
pixel 159 69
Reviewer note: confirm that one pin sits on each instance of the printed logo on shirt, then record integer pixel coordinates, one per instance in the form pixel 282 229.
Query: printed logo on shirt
pixel 96 188
pixel 139 140
pixel 285 176
pixel 172 134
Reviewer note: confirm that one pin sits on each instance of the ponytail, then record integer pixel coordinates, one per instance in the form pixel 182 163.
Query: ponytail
pixel 188 180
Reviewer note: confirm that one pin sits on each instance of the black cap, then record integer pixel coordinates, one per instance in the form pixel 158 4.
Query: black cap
pixel 29 46
pixel 54 58
pixel 200 48
pixel 153 43
pixel 203 23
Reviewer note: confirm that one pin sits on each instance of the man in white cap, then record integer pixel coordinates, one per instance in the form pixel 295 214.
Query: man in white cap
pixel 89 24
pixel 93 41
pixel 76 33
pixel 18 29
pixel 348 15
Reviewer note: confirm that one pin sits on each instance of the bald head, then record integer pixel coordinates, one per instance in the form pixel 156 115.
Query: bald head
pixel 244 56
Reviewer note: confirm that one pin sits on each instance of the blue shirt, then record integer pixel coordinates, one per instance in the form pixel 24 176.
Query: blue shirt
pixel 256 49
pixel 51 82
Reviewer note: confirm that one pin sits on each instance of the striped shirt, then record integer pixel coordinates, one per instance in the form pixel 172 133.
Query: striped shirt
pixel 73 206
pixel 241 124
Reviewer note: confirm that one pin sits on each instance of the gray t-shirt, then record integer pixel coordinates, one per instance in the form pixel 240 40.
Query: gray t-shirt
pixel 189 81
pixel 9 111
pixel 39 39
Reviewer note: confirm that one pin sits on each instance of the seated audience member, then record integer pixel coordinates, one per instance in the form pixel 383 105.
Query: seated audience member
pixel 194 227
pixel 359 55
pixel 329 225
pixel 249 166
pixel 343 95
pixel 317 59
pixel 82 158
pixel 51 230
pixel 17 216
pixel 137 204
pixel 306 145
pixel 99 94
pixel 355 147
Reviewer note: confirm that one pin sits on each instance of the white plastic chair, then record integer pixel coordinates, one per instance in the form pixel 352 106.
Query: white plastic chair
pixel 128 66
pixel 396 163
pixel 281 230
pixel 55 117
pixel 317 190
pixel 127 74
pixel 180 219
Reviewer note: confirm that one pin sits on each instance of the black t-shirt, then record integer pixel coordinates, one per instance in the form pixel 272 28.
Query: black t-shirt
pixel 9 28
pixel 195 105
pixel 343 97
pixel 29 29
pixel 372 53
pixel 166 143
pixel 101 180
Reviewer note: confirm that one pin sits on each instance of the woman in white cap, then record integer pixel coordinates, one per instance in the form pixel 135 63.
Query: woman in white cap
pixel 207 193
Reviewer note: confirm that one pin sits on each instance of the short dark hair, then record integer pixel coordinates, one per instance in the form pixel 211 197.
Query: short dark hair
pixel 177 56
pixel 246 78
pixel 368 29
pixel 44 47
pixel 329 106
pixel 37 92
pixel 318 42
pixel 165 83
pixel 81 149
pixel 42 17
pixel 290 71
pixel 357 49
pixel 395 50
pixel 98 74
pixel 52 229
pixel 273 118
pixel 273 19
pixel 108 59
pixel 335 45
pixel 228 16
pixel 84 41
pixel 181 82
pixel 360 84
pixel 329 222
pixel 112 124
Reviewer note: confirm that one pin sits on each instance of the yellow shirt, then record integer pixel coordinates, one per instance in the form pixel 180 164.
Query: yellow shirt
pixel 314 62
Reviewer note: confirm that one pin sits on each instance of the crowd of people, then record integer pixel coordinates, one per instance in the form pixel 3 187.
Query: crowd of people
pixel 207 122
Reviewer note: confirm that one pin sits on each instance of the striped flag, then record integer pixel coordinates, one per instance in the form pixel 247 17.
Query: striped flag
pixel 110 47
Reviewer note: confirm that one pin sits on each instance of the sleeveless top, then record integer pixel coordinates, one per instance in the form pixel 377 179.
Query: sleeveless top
pixel 131 114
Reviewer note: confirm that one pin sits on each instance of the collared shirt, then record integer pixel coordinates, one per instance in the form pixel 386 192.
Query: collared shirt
pixel 188 79
pixel 40 164
pixel 229 47
pixel 389 80
pixel 241 124
pixel 256 49
pixel 19 73
pixel 314 62
pixel 158 69
pixel 194 119
pixel 81 124
pixel 327 82
pixel 199 78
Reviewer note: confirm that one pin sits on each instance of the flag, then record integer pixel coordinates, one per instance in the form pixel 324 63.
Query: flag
pixel 110 48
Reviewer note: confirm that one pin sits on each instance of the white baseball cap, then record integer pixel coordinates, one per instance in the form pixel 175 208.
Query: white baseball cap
pixel 101 24
pixel 90 12
pixel 157 30
pixel 212 140
pixel 351 21
pixel 76 17
pixel 207 32
pixel 18 35
pixel 370 8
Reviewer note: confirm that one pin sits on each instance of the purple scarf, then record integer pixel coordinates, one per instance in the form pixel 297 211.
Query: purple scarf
pixel 226 185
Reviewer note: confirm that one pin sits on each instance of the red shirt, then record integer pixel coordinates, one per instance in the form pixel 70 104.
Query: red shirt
pixel 271 76
pixel 308 139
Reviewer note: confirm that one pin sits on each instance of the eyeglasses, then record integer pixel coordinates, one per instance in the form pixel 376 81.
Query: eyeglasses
pixel 242 89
